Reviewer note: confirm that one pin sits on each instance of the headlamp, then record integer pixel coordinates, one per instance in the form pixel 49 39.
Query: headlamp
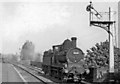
pixel 65 70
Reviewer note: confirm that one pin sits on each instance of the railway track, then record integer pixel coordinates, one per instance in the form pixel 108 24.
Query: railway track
pixel 31 72
pixel 39 70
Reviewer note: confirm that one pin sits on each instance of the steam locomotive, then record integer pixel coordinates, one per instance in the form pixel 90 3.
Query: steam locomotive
pixel 66 62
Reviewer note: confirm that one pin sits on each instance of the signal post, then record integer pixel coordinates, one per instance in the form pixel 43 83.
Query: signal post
pixel 106 25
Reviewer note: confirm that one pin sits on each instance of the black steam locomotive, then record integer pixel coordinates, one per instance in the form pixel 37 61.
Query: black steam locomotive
pixel 66 62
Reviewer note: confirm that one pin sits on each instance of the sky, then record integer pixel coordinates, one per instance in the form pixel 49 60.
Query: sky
pixel 48 23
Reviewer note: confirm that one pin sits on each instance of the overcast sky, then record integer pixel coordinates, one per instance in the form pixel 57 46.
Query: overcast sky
pixel 48 23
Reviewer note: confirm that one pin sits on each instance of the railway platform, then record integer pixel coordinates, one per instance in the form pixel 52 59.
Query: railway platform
pixel 9 74
pixel 14 74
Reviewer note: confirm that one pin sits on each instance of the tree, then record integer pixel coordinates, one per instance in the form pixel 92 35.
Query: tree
pixel 98 56
pixel 27 51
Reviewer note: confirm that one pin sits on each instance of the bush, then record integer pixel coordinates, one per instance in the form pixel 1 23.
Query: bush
pixel 98 55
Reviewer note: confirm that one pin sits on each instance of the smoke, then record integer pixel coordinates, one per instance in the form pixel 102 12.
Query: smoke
pixel 20 18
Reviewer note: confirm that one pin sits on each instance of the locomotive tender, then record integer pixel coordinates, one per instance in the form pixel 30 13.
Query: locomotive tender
pixel 65 62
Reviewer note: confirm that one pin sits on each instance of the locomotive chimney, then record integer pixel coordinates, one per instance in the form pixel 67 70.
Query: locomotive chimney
pixel 53 48
pixel 74 41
